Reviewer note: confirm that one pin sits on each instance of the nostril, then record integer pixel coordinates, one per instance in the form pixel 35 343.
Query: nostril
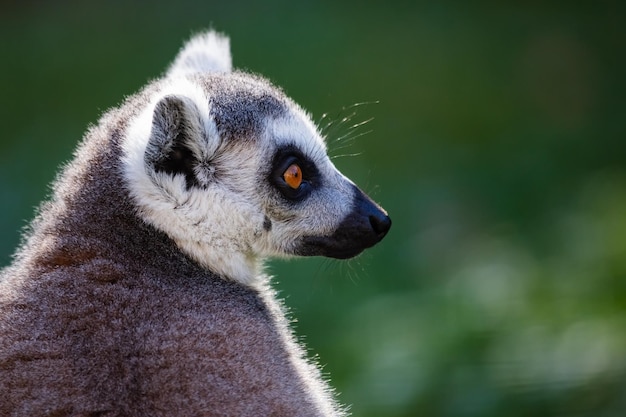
pixel 380 223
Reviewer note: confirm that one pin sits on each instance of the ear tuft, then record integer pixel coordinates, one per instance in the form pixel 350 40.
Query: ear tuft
pixel 176 127
pixel 205 52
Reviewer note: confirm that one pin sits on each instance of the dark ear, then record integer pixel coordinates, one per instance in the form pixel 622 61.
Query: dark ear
pixel 176 126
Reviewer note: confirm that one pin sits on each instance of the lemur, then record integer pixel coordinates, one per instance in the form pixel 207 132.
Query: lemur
pixel 139 288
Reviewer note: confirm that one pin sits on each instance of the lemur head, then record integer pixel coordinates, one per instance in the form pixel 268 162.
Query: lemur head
pixel 234 171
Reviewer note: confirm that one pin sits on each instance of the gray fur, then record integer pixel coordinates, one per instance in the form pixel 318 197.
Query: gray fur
pixel 104 312
pixel 242 103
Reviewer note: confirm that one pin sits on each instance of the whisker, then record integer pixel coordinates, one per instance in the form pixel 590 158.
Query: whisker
pixel 361 123
pixel 347 136
pixel 353 276
pixel 343 155
pixel 362 103
pixel 335 125
pixel 340 148
pixel 325 115
pixel 342 130
pixel 333 121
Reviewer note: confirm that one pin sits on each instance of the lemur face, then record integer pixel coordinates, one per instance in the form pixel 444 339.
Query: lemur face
pixel 234 172
pixel 313 208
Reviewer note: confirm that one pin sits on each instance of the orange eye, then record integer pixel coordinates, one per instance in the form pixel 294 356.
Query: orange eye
pixel 293 176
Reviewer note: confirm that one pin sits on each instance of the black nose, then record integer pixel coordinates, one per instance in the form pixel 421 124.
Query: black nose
pixel 380 223
pixel 367 210
pixel 363 227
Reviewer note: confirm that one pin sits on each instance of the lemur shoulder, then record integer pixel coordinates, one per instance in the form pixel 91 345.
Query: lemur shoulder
pixel 139 288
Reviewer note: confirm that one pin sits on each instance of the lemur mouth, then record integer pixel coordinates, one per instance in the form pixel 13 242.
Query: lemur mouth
pixel 366 225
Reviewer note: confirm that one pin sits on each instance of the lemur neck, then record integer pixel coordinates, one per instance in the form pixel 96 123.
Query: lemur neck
pixel 226 262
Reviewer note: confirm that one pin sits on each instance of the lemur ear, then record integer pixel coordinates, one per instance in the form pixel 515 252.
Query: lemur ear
pixel 205 52
pixel 176 131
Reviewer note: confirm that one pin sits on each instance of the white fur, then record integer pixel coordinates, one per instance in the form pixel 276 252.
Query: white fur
pixel 205 224
pixel 207 52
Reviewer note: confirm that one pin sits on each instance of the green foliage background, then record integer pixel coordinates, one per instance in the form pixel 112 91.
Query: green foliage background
pixel 498 147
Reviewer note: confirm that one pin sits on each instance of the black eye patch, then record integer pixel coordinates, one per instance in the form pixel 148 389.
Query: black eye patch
pixel 284 158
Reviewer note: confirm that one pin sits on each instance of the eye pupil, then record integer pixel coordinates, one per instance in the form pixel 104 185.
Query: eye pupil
pixel 293 176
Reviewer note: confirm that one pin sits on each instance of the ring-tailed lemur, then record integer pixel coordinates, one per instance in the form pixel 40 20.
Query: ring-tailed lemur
pixel 139 289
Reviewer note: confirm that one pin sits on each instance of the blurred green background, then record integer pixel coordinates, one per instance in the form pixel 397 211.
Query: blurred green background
pixel 498 146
